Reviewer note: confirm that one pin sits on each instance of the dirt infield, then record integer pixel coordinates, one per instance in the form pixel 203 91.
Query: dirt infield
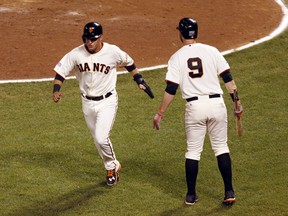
pixel 35 34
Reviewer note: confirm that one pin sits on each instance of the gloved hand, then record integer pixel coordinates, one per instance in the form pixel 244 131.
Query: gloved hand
pixel 238 109
pixel 157 119
pixel 143 85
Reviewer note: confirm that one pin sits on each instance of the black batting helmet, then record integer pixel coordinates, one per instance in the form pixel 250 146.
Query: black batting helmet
pixel 188 28
pixel 92 30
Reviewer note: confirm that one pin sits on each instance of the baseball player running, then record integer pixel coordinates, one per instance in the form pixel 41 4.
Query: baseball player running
pixel 95 64
pixel 195 68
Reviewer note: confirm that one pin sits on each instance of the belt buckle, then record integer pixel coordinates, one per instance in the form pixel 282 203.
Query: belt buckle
pixel 97 98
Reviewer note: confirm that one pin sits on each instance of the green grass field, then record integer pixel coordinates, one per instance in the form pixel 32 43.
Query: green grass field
pixel 50 166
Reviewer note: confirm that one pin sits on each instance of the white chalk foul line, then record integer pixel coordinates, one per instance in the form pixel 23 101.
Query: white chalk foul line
pixel 281 28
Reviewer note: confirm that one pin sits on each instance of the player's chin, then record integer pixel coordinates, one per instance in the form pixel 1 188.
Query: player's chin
pixel 91 49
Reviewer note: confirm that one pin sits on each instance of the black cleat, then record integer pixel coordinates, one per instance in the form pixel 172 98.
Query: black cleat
pixel 191 199
pixel 229 198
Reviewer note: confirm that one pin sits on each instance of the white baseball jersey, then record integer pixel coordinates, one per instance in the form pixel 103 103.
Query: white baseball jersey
pixel 202 64
pixel 96 73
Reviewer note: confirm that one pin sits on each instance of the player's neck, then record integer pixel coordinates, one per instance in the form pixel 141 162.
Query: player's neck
pixel 187 42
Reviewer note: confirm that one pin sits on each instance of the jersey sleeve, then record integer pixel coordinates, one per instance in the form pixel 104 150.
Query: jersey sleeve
pixel 122 58
pixel 173 74
pixel 65 65
pixel 222 64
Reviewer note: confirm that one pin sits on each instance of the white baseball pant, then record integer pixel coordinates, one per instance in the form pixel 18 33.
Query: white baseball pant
pixel 100 117
pixel 202 115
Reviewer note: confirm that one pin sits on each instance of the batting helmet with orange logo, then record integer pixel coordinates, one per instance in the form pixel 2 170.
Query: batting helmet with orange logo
pixel 92 30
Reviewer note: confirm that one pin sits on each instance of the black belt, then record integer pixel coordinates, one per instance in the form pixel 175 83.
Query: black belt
pixel 98 98
pixel 196 98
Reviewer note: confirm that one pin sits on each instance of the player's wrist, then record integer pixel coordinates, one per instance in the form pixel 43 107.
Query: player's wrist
pixel 232 96
pixel 160 112
pixel 56 88
pixel 138 78
pixel 157 119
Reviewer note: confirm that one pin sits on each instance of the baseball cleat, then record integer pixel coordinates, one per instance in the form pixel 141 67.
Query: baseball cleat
pixel 229 198
pixel 191 199
pixel 112 177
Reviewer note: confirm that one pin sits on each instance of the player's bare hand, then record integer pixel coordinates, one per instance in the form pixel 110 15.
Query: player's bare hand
pixel 56 96
pixel 157 119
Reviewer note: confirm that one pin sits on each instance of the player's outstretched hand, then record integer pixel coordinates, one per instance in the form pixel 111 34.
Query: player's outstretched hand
pixel 143 85
pixel 56 96
pixel 157 119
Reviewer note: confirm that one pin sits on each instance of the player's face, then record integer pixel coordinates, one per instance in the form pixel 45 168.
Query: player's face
pixel 94 45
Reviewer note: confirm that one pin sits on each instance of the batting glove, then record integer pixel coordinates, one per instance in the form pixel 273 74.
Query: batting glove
pixel 157 119
pixel 238 109
pixel 143 85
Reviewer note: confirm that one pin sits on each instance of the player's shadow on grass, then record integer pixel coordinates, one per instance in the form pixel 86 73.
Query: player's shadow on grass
pixel 184 210
pixel 63 203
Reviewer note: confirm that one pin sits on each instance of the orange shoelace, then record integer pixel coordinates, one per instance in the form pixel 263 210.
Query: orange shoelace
pixel 110 172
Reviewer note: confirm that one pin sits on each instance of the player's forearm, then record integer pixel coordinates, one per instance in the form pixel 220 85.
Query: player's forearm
pixel 58 81
pixel 57 85
pixel 133 72
pixel 229 83
pixel 231 86
pixel 232 90
pixel 167 99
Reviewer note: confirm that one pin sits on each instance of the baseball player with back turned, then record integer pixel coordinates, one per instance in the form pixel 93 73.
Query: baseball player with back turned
pixel 195 68
pixel 95 64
